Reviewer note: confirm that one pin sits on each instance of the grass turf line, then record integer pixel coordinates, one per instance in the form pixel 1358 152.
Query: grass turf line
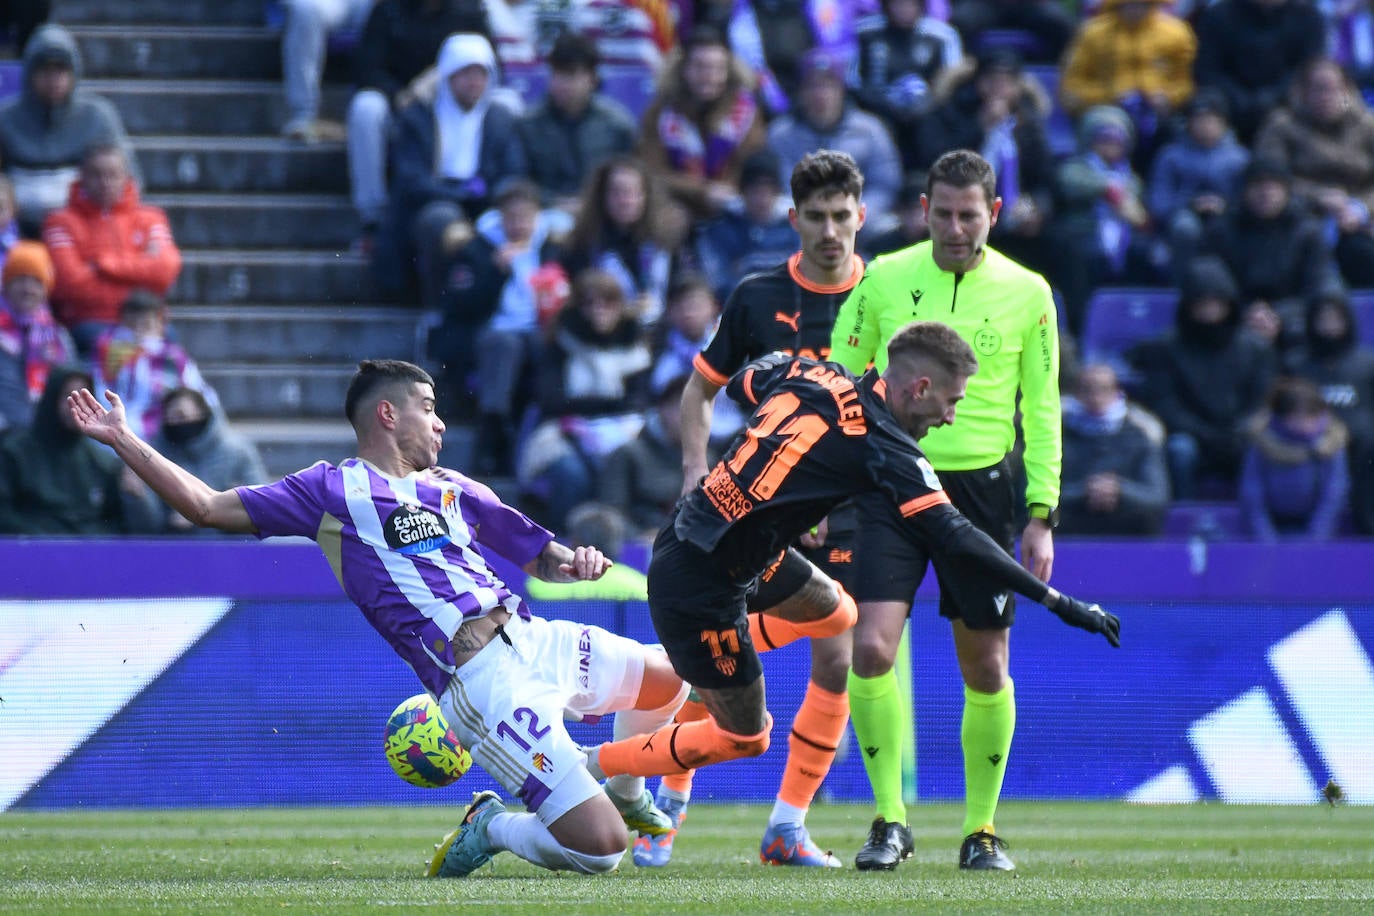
pixel 1072 857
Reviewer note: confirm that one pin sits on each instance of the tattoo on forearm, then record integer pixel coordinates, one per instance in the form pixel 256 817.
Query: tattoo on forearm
pixel 548 562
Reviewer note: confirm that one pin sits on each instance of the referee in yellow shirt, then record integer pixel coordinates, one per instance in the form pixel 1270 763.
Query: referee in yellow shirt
pixel 1008 314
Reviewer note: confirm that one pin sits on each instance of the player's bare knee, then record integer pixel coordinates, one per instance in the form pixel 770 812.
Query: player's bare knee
pixel 873 655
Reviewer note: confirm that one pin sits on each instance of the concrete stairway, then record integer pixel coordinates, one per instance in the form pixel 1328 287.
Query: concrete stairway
pixel 271 301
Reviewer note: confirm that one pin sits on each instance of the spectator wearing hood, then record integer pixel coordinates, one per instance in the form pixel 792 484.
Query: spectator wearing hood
pixel 1343 370
pixel 55 481
pixel 823 119
pixel 1251 50
pixel 105 244
pixel 1101 213
pixel 452 146
pixel 31 340
pixel 401 38
pixel 1294 479
pixel 46 129
pixel 196 438
pixel 1205 379
pixel 1116 481
pixel 1276 252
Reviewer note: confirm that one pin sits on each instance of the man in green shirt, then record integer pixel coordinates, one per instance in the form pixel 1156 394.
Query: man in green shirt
pixel 1008 315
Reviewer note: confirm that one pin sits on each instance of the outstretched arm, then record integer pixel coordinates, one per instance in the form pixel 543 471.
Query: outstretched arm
pixel 558 563
pixel 949 533
pixel 200 503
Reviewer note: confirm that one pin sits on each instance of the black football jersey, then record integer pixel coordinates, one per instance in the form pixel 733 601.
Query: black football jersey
pixel 817 436
pixel 774 311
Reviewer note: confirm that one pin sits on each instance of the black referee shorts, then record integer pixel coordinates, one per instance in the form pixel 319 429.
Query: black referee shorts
pixel 890 561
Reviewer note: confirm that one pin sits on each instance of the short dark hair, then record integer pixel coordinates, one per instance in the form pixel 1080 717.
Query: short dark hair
pixel 704 36
pixel 826 170
pixel 918 345
pixel 375 374
pixel 963 168
pixel 573 51
pixel 1292 396
pixel 516 188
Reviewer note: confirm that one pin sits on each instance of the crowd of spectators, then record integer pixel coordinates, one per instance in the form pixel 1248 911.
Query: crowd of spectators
pixel 570 190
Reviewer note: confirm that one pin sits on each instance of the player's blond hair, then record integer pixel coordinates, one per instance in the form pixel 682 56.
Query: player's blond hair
pixel 923 346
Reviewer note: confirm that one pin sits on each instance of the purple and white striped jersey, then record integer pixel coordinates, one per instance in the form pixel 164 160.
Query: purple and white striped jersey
pixel 407 550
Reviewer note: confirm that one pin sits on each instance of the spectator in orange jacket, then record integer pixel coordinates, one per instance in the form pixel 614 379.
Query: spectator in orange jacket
pixel 105 244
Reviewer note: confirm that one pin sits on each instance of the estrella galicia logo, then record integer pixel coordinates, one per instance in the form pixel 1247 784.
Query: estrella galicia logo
pixel 414 529
pixel 987 341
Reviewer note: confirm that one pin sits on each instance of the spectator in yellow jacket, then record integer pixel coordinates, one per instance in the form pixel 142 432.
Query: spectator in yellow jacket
pixel 1134 54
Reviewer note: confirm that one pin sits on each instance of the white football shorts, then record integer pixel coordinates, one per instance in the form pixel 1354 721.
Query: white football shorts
pixel 506 704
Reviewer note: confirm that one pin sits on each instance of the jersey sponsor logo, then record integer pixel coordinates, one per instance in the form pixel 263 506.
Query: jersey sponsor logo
pixel 725 495
pixel 790 320
pixel 841 556
pixel 584 658
pixel 987 341
pixel 413 530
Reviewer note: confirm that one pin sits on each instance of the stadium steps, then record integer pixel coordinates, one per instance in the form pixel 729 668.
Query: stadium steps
pixel 272 301
pixel 258 220
pixel 240 165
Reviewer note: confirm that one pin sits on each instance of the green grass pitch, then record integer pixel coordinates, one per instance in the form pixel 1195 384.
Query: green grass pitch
pixel 1072 857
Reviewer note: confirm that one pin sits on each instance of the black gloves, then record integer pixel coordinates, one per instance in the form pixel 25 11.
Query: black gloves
pixel 1088 617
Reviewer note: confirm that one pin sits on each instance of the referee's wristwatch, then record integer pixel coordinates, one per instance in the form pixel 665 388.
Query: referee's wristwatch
pixel 1047 514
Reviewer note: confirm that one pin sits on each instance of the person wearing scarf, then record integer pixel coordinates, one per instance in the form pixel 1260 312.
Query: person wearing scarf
pixel 31 341
pixel 1116 479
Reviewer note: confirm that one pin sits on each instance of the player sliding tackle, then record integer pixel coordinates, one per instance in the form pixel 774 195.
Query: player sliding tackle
pixel 817 436
pixel 408 542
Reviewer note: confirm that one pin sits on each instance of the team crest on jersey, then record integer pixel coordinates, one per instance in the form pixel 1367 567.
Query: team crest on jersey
pixel 542 763
pixel 987 341
pixel 414 529
pixel 726 665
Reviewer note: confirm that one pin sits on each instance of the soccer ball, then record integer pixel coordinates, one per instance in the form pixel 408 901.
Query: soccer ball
pixel 421 747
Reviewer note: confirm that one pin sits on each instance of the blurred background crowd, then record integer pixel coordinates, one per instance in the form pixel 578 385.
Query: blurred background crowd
pixel 569 189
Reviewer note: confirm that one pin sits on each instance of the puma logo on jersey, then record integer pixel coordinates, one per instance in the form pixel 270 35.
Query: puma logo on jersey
pixel 789 320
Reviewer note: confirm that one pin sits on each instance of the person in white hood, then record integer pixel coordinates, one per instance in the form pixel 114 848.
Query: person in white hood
pixel 454 144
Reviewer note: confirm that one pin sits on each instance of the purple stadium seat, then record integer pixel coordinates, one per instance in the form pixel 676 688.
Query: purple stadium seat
pixel 1362 304
pixel 1215 521
pixel 1120 317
